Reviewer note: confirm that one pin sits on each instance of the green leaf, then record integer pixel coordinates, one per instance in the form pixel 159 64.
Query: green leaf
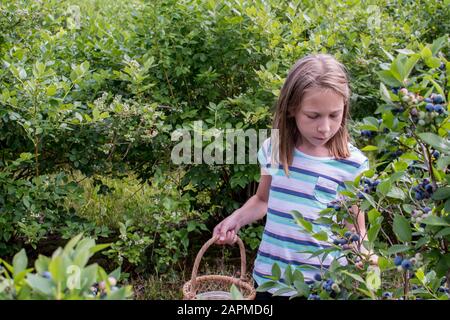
pixel 235 293
pixel 397 248
pixel 276 271
pixel 369 148
pixel 402 228
pixel 441 193
pixel 267 285
pixel 444 232
pixel 438 44
pixel 384 187
pixel 435 141
pixel 281 291
pixel 435 221
pixel 354 276
pixel 40 284
pixel 20 262
pixel 388 78
pixel 51 90
pixel 302 288
pixel 373 215
pixel 396 193
pixel 321 236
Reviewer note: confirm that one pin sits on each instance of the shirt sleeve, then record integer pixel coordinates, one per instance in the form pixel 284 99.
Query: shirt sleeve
pixel 264 157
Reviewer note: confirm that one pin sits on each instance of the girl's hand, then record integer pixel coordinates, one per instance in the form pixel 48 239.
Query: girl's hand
pixel 227 230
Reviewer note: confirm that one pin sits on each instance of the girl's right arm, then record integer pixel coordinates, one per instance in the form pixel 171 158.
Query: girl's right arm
pixel 254 209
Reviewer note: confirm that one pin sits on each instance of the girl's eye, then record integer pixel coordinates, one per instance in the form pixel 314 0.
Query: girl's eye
pixel 312 117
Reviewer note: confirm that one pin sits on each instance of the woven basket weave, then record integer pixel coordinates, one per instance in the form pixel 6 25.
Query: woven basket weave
pixel 217 287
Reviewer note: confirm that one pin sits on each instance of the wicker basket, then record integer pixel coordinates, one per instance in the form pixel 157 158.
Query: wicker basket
pixel 217 287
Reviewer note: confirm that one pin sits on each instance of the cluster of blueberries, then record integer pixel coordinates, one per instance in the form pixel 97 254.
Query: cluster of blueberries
pixel 101 286
pixel 418 215
pixel 434 103
pixel 334 205
pixel 407 264
pixel 348 237
pixel 424 190
pixel 329 286
pixel 370 185
pixel 368 133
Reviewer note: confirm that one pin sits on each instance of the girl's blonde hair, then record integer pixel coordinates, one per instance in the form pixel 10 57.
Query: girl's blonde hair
pixel 320 71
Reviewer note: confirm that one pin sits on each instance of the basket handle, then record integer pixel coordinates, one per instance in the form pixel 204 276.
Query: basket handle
pixel 202 251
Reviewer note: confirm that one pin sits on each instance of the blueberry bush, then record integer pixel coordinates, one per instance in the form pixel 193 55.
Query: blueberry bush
pixel 405 194
pixel 63 276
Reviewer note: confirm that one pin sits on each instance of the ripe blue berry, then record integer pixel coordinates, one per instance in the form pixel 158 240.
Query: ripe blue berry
pixel 348 234
pixel 438 99
pixel 387 295
pixel 317 277
pixel 419 196
pixel 47 275
pixel 406 264
pixel 436 154
pixel 429 107
pixel 427 100
pixel 398 260
pixel 439 108
pixel 313 297
pixel 354 238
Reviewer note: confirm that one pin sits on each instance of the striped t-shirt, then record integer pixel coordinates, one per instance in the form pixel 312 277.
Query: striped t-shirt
pixel 313 183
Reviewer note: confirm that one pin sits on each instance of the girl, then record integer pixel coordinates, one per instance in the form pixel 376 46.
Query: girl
pixel 315 158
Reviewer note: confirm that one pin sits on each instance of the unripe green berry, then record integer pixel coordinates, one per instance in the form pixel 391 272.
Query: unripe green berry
pixel 418 256
pixel 421 122
pixel 413 261
pixel 335 288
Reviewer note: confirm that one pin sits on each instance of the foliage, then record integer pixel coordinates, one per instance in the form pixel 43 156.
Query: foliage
pixel 405 194
pixel 63 276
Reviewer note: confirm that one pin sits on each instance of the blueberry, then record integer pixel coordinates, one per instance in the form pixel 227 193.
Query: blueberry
pixel 406 264
pixel 313 297
pixel 360 195
pixel 395 90
pixel 367 189
pixel 387 295
pixel 398 260
pixel 425 181
pixel 442 66
pixel 337 207
pixel 47 275
pixel 439 108
pixel 419 196
pixel 354 238
pixel 336 241
pixel 317 277
pixel 423 225
pixel 429 107
pixel 438 99
pixel 375 183
pixel 429 188
pixel 398 153
pixel 348 234
pixel 436 154
pixel 428 100
pixel 380 121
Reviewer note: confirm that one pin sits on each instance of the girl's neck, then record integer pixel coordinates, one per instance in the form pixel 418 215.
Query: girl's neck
pixel 314 151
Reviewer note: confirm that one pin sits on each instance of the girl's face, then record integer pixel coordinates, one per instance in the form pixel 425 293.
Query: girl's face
pixel 319 117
